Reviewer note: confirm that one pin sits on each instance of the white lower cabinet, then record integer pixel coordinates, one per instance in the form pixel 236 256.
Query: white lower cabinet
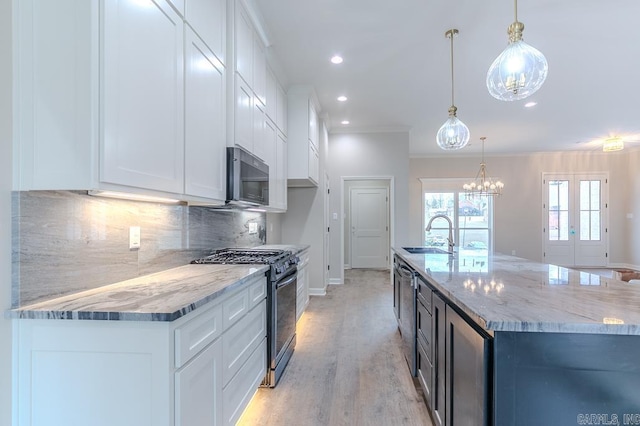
pixel 302 295
pixel 198 389
pixel 192 371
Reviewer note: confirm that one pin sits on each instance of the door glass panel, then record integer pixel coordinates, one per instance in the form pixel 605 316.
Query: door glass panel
pixel 590 210
pixel 558 210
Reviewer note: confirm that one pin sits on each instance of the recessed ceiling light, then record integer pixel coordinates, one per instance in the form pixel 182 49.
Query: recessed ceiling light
pixel 336 59
pixel 345 121
pixel 530 104
pixel 342 98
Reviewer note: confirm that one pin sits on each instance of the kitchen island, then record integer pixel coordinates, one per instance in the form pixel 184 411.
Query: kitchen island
pixel 527 343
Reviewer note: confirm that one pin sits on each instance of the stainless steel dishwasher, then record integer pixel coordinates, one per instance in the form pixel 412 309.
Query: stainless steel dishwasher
pixel 406 279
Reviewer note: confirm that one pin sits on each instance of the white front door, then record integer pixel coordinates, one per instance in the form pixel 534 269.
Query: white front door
pixel 576 220
pixel 369 227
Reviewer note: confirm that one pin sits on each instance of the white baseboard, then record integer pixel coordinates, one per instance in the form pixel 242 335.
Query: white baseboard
pixel 317 292
pixel 335 281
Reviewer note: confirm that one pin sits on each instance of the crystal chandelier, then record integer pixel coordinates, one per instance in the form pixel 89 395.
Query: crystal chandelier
pixel 453 134
pixel 613 144
pixel 520 69
pixel 483 185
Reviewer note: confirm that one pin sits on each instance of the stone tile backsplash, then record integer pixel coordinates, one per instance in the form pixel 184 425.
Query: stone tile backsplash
pixel 65 242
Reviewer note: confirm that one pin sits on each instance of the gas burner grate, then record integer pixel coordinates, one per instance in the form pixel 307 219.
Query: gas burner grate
pixel 244 256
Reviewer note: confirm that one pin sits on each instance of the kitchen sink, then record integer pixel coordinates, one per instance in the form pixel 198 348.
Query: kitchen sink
pixel 425 250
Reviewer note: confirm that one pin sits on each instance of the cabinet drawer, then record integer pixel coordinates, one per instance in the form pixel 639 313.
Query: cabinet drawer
pixel 234 308
pixel 425 370
pixel 424 294
pixel 237 394
pixel 303 259
pixel 423 327
pixel 239 341
pixel 257 291
pixel 196 334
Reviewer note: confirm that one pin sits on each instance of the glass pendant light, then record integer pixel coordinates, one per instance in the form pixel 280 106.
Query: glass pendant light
pixel 520 69
pixel 453 134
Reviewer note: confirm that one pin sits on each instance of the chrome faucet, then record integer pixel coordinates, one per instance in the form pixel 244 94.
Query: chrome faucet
pixel 450 239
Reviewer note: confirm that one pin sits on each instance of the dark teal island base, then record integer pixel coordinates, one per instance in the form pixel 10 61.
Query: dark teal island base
pixel 566 379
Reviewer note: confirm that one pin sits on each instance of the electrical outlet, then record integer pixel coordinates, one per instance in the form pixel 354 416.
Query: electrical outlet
pixel 253 228
pixel 134 237
pixel 513 252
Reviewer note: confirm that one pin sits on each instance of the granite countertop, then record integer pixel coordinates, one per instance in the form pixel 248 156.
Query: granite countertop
pixel 507 293
pixel 163 296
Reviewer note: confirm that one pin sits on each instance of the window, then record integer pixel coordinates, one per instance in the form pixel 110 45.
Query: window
pixel 471 218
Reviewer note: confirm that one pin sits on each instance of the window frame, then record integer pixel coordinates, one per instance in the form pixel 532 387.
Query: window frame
pixel 434 186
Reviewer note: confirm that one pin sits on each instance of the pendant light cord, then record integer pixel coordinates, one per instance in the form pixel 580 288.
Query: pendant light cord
pixel 515 8
pixel 451 37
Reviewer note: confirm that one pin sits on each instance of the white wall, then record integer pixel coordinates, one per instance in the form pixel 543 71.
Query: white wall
pixel 368 155
pixel 518 212
pixel 5 210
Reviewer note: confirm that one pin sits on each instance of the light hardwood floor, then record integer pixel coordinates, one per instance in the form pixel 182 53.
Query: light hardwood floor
pixel 347 368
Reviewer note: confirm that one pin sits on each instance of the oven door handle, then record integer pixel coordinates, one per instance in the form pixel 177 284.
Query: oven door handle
pixel 288 279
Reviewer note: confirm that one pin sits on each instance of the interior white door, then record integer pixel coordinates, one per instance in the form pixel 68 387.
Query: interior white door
pixel 576 220
pixel 369 227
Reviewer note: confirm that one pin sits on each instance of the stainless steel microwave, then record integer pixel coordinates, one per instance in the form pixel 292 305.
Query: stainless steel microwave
pixel 247 179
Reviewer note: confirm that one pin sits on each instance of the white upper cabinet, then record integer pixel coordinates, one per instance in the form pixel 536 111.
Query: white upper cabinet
pixel 271 94
pixel 277 160
pixel 282 112
pixel 302 139
pixel 142 96
pixel 313 125
pixel 259 71
pixel 110 111
pixel 243 115
pixel 260 149
pixel 208 18
pixel 205 121
pixel 56 106
pixel 243 44
pixel 276 101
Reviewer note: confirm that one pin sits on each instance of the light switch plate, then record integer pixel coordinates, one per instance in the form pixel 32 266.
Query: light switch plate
pixel 134 237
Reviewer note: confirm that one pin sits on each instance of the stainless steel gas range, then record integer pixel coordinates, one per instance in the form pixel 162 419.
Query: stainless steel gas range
pixel 281 300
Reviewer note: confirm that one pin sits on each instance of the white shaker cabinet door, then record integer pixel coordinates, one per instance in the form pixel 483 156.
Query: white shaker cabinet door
pixel 199 389
pixel 205 123
pixel 243 44
pixel 281 172
pixel 209 20
pixel 260 148
pixel 142 95
pixel 244 114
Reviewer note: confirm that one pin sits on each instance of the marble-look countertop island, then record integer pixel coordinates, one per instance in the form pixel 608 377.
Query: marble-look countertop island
pixel 507 293
pixel 163 296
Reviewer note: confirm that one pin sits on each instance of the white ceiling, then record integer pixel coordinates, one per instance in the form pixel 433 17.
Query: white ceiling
pixel 396 70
